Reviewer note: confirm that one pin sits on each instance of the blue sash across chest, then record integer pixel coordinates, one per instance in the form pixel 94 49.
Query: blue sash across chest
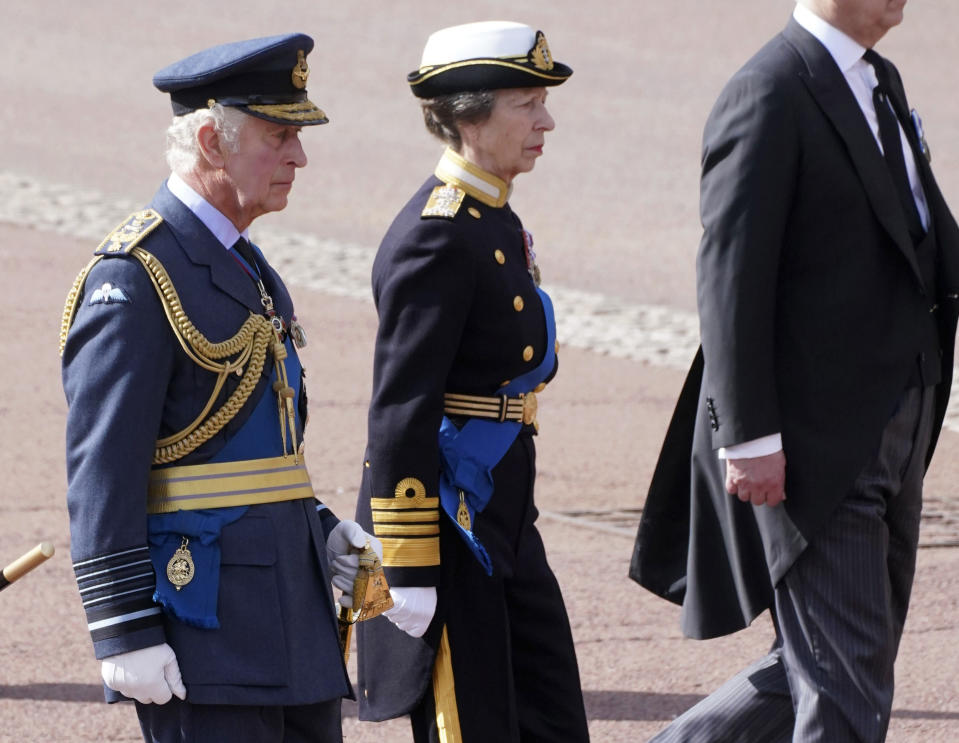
pixel 258 440
pixel 469 454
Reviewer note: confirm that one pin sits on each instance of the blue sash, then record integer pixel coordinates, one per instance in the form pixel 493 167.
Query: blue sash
pixel 469 454
pixel 195 603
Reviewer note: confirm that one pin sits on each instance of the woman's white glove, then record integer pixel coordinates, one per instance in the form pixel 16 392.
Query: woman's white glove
pixel 149 675
pixel 347 539
pixel 413 608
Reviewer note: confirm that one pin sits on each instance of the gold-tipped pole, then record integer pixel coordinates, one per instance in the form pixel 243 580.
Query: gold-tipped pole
pixel 24 564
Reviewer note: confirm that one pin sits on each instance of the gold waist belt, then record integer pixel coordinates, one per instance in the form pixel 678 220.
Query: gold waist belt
pixel 222 484
pixel 521 409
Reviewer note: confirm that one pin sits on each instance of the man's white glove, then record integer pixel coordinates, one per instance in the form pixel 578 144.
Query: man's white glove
pixel 413 608
pixel 149 675
pixel 347 539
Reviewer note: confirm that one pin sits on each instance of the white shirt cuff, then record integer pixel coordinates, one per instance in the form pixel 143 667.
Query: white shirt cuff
pixel 756 448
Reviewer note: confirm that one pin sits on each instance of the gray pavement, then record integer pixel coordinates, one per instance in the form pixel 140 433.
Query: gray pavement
pixel 613 209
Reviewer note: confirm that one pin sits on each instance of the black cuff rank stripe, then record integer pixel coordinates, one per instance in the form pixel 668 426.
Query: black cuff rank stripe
pixel 108 632
pixel 117 592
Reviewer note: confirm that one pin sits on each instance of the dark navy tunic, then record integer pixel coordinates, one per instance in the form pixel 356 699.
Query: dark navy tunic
pixel 459 313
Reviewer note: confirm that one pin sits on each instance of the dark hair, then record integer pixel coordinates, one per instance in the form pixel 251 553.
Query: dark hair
pixel 443 114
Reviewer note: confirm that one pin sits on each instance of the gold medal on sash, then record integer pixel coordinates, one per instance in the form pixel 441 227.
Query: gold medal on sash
pixel 463 514
pixel 180 568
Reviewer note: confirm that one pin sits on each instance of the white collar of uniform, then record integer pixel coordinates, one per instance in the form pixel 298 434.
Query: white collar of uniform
pixel 845 50
pixel 486 188
pixel 213 219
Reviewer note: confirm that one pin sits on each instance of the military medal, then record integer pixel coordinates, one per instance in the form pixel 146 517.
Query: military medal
pixel 530 257
pixel 180 568
pixel 463 513
pixel 297 333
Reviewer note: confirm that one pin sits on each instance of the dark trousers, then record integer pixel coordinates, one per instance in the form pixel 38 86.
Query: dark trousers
pixel 511 647
pixel 182 722
pixel 839 612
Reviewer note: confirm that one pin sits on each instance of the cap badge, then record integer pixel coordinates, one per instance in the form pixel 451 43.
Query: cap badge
pixel 301 71
pixel 540 55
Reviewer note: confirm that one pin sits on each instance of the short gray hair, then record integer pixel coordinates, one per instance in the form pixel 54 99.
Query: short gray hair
pixel 182 150
pixel 443 114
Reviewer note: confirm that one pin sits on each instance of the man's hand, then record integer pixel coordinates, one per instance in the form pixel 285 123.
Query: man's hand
pixel 347 539
pixel 758 480
pixel 149 675
pixel 413 608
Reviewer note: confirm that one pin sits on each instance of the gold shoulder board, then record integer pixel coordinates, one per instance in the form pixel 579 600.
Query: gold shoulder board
pixel 129 232
pixel 444 202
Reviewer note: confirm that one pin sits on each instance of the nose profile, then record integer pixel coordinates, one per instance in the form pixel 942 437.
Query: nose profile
pixel 297 153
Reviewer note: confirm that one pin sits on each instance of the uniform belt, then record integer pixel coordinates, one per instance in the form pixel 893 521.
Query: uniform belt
pixel 521 408
pixel 223 484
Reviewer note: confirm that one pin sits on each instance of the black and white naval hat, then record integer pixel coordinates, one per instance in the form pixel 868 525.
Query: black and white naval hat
pixel 485 56
pixel 264 77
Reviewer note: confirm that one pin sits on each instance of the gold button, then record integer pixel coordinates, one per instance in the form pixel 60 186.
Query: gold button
pixel 474 212
pixel 527 353
pixel 556 346
pixel 366 464
pixel 518 303
pixel 540 387
pixel 500 258
pixel 506 382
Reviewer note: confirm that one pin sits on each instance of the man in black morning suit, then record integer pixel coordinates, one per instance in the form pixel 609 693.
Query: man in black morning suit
pixel 791 474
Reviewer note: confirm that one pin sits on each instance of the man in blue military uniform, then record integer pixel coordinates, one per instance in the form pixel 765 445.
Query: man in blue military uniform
pixel 202 556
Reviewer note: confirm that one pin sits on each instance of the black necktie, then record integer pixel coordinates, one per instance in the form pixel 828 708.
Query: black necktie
pixel 892 144
pixel 245 251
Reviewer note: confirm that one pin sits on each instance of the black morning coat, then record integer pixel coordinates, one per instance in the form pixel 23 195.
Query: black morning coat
pixel 816 311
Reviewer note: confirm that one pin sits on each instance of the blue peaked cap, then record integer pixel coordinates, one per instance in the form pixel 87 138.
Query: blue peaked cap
pixel 264 77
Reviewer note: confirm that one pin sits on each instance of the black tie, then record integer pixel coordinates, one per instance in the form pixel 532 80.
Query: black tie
pixel 892 144
pixel 245 251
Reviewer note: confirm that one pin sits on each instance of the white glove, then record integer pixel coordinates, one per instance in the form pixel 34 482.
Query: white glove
pixel 149 675
pixel 347 539
pixel 413 608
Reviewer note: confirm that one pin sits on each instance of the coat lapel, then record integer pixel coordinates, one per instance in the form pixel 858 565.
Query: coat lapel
pixel 203 249
pixel 828 87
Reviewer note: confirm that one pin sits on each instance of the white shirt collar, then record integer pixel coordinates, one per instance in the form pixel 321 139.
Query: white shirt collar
pixel 214 220
pixel 844 49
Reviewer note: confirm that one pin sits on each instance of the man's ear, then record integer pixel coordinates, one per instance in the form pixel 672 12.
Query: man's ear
pixel 209 142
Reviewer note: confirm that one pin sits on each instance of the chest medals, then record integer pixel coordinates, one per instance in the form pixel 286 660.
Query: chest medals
pixel 530 257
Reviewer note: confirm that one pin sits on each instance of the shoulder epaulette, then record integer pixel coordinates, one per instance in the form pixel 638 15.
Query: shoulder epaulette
pixel 444 202
pixel 129 232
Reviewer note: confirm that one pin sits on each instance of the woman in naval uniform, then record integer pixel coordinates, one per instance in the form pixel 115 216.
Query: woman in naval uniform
pixel 465 341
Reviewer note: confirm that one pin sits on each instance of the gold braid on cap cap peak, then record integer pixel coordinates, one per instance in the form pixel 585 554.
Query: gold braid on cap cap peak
pixel 303 111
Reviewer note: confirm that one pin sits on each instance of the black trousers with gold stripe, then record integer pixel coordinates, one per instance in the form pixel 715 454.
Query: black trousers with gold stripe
pixel 510 649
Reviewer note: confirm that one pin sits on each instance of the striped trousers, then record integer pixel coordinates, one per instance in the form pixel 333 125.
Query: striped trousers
pixel 838 612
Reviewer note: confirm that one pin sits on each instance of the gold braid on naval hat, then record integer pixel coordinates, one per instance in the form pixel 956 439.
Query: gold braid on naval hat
pixel 247 347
